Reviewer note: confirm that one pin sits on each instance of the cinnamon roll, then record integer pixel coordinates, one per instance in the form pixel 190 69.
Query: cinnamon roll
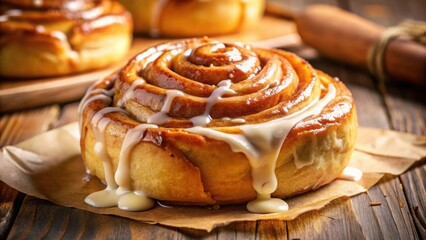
pixel 191 18
pixel 42 38
pixel 202 122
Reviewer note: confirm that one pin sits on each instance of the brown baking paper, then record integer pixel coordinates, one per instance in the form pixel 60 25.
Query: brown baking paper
pixel 49 167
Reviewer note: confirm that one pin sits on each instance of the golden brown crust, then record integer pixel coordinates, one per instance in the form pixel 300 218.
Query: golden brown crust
pixel 56 38
pixel 192 18
pixel 172 164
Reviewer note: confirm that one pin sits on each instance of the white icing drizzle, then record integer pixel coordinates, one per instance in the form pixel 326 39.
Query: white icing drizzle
pixel 103 94
pixel 238 120
pixel 161 117
pixel 104 198
pixel 130 92
pixel 128 199
pixel 234 120
pixel 261 144
pixel 266 204
pixel 216 96
pixel 134 201
pixel 118 191
pixel 132 137
pixel 100 123
pixel 101 97
pixel 351 174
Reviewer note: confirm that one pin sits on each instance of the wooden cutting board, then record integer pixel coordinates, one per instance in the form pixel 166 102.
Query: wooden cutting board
pixel 21 94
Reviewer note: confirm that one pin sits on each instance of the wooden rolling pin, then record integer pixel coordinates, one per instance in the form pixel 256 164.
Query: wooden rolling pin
pixel 347 37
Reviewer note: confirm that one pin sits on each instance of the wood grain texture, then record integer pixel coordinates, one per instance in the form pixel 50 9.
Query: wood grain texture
pixel 336 220
pixel 69 114
pixel 401 214
pixel 406 109
pixel 13 129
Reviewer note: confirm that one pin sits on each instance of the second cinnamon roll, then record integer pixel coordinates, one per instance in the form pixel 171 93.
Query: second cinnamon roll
pixel 58 37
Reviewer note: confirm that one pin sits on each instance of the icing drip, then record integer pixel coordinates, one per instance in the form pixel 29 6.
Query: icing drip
pixel 134 201
pixel 351 174
pixel 104 198
pixel 118 191
pixel 133 136
pixel 261 144
pixel 100 94
pixel 205 118
pixel 100 123
pixel 128 200
pixel 266 204
pixel 234 120
pixel 238 120
pixel 130 92
pixel 161 117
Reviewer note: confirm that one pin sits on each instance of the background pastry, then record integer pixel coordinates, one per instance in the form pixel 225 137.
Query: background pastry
pixel 190 18
pixel 53 37
pixel 205 122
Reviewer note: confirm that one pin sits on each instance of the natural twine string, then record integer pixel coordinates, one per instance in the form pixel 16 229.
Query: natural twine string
pixel 409 29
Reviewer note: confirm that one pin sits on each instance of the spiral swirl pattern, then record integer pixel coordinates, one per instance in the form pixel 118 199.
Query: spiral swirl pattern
pixel 239 117
pixel 263 84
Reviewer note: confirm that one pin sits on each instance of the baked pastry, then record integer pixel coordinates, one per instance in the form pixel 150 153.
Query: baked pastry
pixel 53 37
pixel 204 122
pixel 191 18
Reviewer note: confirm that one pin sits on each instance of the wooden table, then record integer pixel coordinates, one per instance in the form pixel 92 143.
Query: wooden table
pixel 401 214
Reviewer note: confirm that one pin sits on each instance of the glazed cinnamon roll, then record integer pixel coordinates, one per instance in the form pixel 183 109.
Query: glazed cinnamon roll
pixel 192 18
pixel 204 122
pixel 41 38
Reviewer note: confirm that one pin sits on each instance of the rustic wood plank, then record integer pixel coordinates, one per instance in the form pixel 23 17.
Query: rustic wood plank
pixel 14 128
pixel 407 112
pixel 407 108
pixel 9 206
pixel 239 230
pixel 40 219
pixel 414 182
pixel 69 114
pixel 335 221
pixel 392 213
pixel 271 229
pixel 356 212
pixel 390 223
pixel 366 217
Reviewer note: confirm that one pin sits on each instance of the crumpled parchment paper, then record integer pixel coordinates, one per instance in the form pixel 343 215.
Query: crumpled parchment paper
pixel 49 166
